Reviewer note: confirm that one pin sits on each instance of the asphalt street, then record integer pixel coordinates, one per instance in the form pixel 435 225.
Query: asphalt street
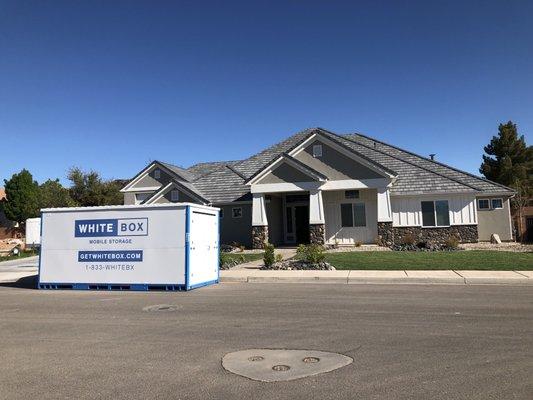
pixel 407 341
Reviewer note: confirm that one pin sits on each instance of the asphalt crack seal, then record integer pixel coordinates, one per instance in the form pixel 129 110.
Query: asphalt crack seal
pixel 268 365
pixel 161 307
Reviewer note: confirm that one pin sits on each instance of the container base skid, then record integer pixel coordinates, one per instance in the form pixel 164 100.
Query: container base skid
pixel 104 286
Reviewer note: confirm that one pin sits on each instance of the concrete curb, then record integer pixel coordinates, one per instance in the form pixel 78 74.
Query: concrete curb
pixel 440 277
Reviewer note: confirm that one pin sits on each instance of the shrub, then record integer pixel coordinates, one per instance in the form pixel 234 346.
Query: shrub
pixel 452 242
pixel 358 243
pixel 311 253
pixel 279 258
pixel 408 239
pixel 268 256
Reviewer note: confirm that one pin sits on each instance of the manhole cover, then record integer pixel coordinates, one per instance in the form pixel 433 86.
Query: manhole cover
pixel 282 365
pixel 161 307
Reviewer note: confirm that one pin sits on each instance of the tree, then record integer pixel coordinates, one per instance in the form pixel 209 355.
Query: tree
pixel 88 189
pixel 53 194
pixel 22 197
pixel 508 159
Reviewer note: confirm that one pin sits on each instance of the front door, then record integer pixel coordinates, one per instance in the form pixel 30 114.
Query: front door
pixel 297 224
pixel 301 219
pixel 529 229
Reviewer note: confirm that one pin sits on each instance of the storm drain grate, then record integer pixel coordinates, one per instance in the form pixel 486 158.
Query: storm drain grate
pixel 269 365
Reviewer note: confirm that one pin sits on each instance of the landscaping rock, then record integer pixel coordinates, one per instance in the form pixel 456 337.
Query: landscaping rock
pixel 495 239
pixel 300 265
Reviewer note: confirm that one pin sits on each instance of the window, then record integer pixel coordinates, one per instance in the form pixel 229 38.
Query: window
pixel 496 203
pixel 483 204
pixel 289 219
pixel 346 215
pixel 435 213
pixel 353 215
pixel 236 212
pixel 351 194
pixel 140 197
pixel 359 214
pixel 157 174
pixel 317 150
pixel 174 195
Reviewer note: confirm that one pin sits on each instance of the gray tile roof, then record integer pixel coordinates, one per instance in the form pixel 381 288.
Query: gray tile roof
pixel 224 181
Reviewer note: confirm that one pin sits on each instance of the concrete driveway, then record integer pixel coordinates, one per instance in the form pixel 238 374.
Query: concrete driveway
pixel 407 342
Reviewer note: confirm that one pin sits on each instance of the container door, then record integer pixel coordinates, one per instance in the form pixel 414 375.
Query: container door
pixel 203 247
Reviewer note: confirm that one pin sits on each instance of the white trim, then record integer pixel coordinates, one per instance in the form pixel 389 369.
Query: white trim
pixel 510 219
pixel 259 215
pixel 141 175
pixel 164 190
pixel 356 184
pixel 316 207
pixel 143 189
pixel 284 187
pixel 327 141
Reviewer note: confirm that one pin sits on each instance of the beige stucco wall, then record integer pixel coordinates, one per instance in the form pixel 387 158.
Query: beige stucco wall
pixel 335 165
pixel 494 221
pixel 150 181
pixel 236 229
pixel 129 198
pixel 286 173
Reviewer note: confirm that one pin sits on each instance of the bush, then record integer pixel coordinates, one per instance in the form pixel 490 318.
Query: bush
pixel 358 243
pixel 452 242
pixel 408 239
pixel 311 253
pixel 279 258
pixel 268 257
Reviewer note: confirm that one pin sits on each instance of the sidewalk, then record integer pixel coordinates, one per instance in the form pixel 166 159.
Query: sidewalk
pixel 379 277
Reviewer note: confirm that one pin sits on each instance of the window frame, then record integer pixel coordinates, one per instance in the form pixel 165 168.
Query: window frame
pixel 177 193
pixel 317 150
pixel 353 219
pixel 435 217
pixel 147 194
pixel 492 204
pixel 357 196
pixel 233 215
pixel 483 208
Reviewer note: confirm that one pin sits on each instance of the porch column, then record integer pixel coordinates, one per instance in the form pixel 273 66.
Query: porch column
pixel 317 227
pixel 385 229
pixel 259 221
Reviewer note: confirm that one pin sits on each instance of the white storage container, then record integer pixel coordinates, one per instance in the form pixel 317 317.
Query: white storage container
pixel 33 232
pixel 139 247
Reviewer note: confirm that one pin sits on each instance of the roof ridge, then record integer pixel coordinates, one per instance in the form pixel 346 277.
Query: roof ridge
pixel 409 162
pixel 433 161
pixel 359 154
pixel 276 144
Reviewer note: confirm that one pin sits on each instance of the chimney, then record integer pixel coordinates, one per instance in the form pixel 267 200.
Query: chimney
pixel 432 156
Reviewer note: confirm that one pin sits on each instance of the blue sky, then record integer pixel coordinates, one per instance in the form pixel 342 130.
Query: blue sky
pixel 112 85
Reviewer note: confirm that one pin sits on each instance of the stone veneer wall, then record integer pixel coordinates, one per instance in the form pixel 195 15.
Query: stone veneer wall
pixel 259 236
pixel 389 235
pixel 317 233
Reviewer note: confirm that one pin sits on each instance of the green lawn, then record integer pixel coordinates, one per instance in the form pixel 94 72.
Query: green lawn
pixel 390 260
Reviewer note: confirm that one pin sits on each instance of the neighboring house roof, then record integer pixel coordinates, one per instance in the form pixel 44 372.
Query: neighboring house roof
pixel 226 181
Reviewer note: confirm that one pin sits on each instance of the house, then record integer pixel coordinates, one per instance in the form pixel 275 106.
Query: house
pixel 321 187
